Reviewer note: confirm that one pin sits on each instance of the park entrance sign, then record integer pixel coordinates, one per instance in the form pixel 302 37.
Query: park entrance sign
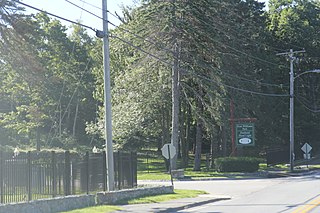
pixel 245 134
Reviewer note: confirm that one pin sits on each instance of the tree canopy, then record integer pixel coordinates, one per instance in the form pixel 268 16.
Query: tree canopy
pixel 195 61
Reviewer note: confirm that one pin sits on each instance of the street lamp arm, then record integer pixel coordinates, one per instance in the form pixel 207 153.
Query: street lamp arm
pixel 306 72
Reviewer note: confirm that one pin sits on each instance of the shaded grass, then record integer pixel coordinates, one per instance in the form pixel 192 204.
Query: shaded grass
pixel 178 194
pixel 95 209
pixel 153 176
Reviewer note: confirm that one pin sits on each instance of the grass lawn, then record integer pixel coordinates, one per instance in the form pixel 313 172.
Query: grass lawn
pixel 95 209
pixel 178 193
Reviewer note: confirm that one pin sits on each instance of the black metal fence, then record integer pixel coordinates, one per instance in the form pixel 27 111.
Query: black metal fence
pixel 32 175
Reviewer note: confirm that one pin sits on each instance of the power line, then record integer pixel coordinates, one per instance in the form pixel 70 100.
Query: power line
pixel 140 37
pixel 90 4
pixel 307 107
pixel 140 49
pixel 56 16
pixel 232 48
pixel 235 88
pixel 83 9
pixel 217 23
pixel 153 43
pixel 239 89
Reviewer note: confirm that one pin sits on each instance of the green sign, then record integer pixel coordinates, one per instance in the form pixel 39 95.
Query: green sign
pixel 245 134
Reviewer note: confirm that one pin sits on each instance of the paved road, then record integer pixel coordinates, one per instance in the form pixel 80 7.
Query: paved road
pixel 280 195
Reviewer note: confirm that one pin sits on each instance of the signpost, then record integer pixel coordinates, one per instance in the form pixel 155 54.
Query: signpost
pixel 245 134
pixel 169 151
pixel 306 148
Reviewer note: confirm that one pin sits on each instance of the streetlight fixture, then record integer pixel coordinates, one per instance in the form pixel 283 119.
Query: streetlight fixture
pixel 292 78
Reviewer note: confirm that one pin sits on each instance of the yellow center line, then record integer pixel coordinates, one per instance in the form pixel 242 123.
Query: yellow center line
pixel 307 207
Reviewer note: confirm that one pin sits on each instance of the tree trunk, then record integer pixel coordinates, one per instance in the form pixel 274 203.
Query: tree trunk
pixel 212 150
pixel 75 119
pixel 224 141
pixel 197 155
pixel 38 139
pixel 188 135
pixel 183 140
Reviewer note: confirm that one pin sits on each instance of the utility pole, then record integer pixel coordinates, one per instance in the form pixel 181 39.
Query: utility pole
pixel 107 99
pixel 292 59
pixel 175 91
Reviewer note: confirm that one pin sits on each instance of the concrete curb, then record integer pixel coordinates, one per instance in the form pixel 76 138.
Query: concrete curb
pixel 192 205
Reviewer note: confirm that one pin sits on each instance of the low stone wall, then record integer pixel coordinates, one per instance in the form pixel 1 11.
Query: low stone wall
pixel 115 196
pixel 51 205
pixel 68 203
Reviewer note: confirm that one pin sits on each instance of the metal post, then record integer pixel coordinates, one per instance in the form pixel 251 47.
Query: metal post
pixel 291 111
pixel 29 187
pixel 233 144
pixel 87 172
pixel 67 174
pixel 54 178
pixel 1 177
pixel 107 99
pixel 170 164
pixel 104 173
pixel 292 58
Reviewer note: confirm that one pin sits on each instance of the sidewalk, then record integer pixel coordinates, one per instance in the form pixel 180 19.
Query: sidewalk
pixel 172 205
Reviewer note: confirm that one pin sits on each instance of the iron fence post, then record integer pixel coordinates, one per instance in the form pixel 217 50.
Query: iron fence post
pixel 1 177
pixel 54 181
pixel 104 170
pixel 87 172
pixel 119 171
pixel 29 187
pixel 67 173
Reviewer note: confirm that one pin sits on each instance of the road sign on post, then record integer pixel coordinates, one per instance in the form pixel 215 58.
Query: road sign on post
pixel 306 148
pixel 168 149
pixel 245 134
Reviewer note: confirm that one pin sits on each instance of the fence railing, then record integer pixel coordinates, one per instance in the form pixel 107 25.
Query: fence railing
pixel 32 175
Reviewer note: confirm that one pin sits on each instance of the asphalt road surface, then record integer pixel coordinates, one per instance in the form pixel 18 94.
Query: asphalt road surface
pixel 277 195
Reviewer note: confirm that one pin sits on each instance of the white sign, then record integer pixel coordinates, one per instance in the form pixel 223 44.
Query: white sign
pixel 306 148
pixel 165 150
pixel 245 141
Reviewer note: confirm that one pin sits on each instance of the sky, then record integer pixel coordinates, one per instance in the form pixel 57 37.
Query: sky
pixel 69 11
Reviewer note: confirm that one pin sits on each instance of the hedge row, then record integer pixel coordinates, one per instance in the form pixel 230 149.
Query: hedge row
pixel 237 164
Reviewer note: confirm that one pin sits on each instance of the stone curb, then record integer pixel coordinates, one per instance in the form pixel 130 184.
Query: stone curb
pixel 192 205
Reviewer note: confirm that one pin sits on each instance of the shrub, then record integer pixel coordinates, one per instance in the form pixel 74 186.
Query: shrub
pixel 237 164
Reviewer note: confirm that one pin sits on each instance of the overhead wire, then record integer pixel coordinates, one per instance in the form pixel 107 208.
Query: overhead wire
pixel 140 37
pixel 240 89
pixel 155 44
pixel 170 51
pixel 255 82
pixel 56 16
pixel 84 9
pixel 235 88
pixel 317 110
pixel 92 5
pixel 140 49
pixel 267 45
pixel 152 55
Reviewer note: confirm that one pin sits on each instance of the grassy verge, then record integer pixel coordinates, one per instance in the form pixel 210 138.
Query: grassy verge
pixel 178 194
pixel 95 209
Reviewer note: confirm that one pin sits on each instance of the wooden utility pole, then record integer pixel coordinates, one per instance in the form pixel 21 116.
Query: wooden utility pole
pixel 107 99
pixel 175 91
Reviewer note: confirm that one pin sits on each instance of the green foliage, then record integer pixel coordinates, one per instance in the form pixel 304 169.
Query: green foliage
pixel 237 164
